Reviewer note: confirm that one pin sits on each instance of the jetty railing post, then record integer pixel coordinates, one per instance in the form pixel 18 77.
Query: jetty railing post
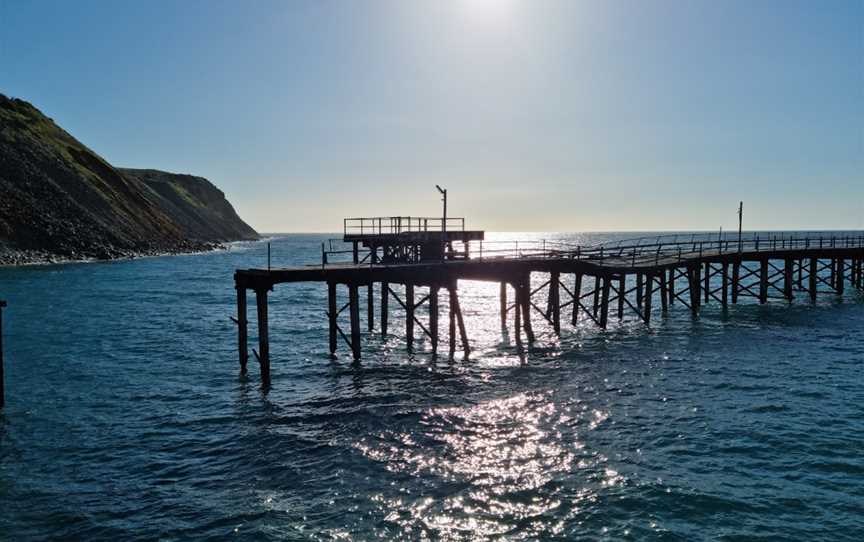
pixel 354 309
pixel 385 299
pixel 814 262
pixel 242 328
pixel 577 297
pixel 332 315
pixel 263 336
pixel 2 376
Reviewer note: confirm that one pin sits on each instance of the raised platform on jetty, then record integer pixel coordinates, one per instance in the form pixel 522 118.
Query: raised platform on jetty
pixel 637 276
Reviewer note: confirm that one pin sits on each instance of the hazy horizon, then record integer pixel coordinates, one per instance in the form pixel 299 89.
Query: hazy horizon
pixel 552 116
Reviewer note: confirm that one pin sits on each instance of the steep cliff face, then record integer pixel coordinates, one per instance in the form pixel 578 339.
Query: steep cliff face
pixel 60 200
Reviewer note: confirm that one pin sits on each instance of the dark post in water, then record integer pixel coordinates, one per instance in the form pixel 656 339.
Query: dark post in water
pixel 2 393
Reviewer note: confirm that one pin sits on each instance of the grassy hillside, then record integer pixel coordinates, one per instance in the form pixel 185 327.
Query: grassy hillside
pixel 59 199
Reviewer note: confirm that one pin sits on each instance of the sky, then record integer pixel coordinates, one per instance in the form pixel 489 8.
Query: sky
pixel 536 115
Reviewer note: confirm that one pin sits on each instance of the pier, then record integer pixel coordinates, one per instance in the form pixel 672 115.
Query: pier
pixel 407 263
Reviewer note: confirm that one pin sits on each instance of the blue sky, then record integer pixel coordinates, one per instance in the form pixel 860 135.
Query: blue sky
pixel 535 114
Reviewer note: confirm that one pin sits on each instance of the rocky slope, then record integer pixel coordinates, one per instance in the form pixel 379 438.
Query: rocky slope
pixel 60 200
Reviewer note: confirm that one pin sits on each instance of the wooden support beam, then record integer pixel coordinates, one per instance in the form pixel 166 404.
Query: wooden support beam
pixel 596 294
pixel 526 307
pixel 577 296
pixel 649 294
pixel 664 294
pixel 813 276
pixel 841 274
pixel 639 290
pixel 788 278
pixel 763 281
pixel 456 310
pixel 725 287
pixel 801 273
pixel 370 307
pixel 263 337
pixel 833 278
pixel 622 291
pixel 433 318
pixel 693 285
pixel 697 285
pixel 356 252
pixel 332 314
pixel 517 314
pixel 409 317
pixel 555 301
pixel 707 288
pixel 242 329
pixel 503 299
pixel 354 311
pixel 2 376
pixel 385 309
pixel 736 280
pixel 604 303
pixel 671 289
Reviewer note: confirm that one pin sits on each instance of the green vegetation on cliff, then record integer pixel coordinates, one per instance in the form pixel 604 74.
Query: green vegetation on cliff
pixel 59 199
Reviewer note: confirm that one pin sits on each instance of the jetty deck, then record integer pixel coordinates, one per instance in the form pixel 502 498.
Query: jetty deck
pixel 640 277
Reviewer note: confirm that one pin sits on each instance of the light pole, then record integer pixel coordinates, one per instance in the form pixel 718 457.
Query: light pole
pixel 443 222
pixel 740 218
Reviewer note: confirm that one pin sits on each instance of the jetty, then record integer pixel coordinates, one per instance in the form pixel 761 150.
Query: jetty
pixel 411 260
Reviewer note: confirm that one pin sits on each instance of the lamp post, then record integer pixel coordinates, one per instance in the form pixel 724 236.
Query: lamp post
pixel 443 192
pixel 740 218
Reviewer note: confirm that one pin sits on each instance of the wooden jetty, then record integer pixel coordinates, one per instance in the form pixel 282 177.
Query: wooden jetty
pixel 591 283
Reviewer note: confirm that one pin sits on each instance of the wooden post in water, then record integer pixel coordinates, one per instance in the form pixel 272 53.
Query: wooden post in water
pixel 433 317
pixel 555 300
pixel 788 278
pixel 263 336
pixel 385 300
pixel 409 317
pixel 577 297
pixel 354 308
pixel 763 281
pixel 832 280
pixel 801 273
pixel 693 284
pixel 639 296
pixel 671 289
pixel 725 289
pixel 604 303
pixel 812 276
pixel 622 287
pixel 707 287
pixel 370 307
pixel 596 294
pixel 332 315
pixel 456 309
pixel 526 307
pixel 736 279
pixel 841 272
pixel 697 286
pixel 517 314
pixel 649 294
pixel 664 294
pixel 503 298
pixel 242 329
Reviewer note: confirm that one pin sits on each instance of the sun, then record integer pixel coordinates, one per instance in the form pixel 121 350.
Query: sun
pixel 490 10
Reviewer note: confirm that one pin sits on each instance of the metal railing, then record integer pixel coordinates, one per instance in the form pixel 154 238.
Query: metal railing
pixel 643 251
pixel 393 225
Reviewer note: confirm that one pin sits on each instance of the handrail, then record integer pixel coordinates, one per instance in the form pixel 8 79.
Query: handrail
pixel 391 225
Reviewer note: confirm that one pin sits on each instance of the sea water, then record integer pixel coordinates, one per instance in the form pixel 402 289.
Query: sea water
pixel 127 419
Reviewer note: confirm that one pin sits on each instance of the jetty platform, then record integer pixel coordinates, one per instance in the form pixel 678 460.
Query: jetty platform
pixel 643 277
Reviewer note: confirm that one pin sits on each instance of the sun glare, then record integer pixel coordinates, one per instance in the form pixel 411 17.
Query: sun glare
pixel 490 10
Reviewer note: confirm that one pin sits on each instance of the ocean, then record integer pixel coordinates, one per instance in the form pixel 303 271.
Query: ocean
pixel 126 417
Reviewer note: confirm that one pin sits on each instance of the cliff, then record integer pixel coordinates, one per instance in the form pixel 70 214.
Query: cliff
pixel 60 200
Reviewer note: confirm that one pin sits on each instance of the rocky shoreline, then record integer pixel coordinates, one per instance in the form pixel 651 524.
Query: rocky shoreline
pixel 11 257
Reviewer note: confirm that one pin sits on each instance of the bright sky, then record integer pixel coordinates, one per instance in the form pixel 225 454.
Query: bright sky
pixel 535 114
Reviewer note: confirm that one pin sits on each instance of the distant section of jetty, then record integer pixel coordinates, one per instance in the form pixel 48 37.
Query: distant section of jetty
pixel 61 201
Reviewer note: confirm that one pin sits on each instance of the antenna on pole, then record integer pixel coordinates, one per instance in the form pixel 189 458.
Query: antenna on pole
pixel 443 192
pixel 740 220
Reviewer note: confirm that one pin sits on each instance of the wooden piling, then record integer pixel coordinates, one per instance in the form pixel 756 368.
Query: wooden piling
pixel 596 295
pixel 451 317
pixel 242 329
pixel 354 309
pixel 577 297
pixel 503 300
pixel 832 279
pixel 841 273
pixel 332 316
pixel 263 337
pixel 456 309
pixel 763 281
pixel 385 310
pixel 724 292
pixel 736 280
pixel 664 294
pixel 639 292
pixel 370 307
pixel 517 314
pixel 433 318
pixel 2 375
pixel 813 277
pixel 788 278
pixel 409 317
pixel 697 285
pixel 604 302
pixel 622 288
pixel 649 294
pixel 555 301
pixel 671 289
pixel 707 288
pixel 693 285
pixel 526 307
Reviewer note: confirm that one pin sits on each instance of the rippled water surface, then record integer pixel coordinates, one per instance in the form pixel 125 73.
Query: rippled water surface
pixel 126 418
